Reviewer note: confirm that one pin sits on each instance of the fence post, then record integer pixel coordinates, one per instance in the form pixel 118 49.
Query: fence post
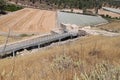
pixel 13 53
pixel 38 46
pixel 71 37
pixel 59 40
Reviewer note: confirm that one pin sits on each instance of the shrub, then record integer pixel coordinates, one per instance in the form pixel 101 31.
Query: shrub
pixel 12 7
pixel 23 35
pixel 103 71
pixel 102 15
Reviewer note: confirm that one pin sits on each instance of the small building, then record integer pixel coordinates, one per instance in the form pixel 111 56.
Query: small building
pixel 57 31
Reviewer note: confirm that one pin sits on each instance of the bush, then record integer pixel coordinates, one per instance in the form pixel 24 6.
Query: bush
pixel 107 16
pixel 102 15
pixel 23 35
pixel 12 7
pixel 103 71
pixel 2 6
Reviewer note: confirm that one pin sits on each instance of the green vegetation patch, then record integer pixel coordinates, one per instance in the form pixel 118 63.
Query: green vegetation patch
pixel 26 35
pixel 12 7
pixel 4 6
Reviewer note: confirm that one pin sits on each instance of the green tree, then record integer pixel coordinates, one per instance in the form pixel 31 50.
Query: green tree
pixel 2 6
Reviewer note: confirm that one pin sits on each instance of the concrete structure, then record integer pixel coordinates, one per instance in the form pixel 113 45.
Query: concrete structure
pixel 70 28
pixel 38 41
pixel 80 19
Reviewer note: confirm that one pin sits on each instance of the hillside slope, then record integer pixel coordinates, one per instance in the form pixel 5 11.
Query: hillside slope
pixel 66 62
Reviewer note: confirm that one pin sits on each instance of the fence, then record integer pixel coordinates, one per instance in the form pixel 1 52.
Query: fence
pixel 34 41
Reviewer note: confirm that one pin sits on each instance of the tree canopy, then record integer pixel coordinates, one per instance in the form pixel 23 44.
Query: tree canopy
pixel 2 5
pixel 79 3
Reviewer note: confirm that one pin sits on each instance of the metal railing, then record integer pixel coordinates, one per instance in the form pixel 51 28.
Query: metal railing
pixel 32 42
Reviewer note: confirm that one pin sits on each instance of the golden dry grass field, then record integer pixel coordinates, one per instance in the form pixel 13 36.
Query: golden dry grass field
pixel 112 26
pixel 63 62
pixel 86 58
pixel 28 20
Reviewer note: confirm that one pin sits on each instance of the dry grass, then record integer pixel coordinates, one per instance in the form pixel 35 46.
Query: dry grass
pixel 113 26
pixel 11 39
pixel 63 62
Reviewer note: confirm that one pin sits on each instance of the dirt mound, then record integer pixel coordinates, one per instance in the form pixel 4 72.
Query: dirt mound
pixel 28 21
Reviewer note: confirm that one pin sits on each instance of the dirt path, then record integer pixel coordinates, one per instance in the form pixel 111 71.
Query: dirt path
pixel 99 32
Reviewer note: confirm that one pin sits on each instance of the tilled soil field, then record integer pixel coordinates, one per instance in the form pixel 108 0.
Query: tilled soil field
pixel 28 21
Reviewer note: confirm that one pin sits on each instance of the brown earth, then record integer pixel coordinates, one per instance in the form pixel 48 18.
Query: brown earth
pixel 28 20
pixel 101 11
